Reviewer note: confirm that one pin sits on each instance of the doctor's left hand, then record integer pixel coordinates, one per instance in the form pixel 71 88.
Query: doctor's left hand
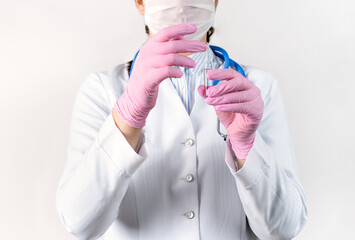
pixel 239 107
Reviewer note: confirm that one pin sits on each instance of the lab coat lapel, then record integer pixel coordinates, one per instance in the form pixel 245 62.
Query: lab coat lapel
pixel 171 98
pixel 168 120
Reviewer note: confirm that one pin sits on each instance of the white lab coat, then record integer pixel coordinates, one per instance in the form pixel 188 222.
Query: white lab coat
pixel 108 188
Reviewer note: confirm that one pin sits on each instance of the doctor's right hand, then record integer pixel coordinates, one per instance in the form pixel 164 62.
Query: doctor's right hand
pixel 154 63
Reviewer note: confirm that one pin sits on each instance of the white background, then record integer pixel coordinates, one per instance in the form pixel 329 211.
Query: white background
pixel 47 48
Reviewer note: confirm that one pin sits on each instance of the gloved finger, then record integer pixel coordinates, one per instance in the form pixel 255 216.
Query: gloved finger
pixel 223 89
pixel 236 84
pixel 226 118
pixel 163 73
pixel 243 107
pixel 180 46
pixel 178 38
pixel 232 97
pixel 172 32
pixel 172 59
pixel 201 91
pixel 223 74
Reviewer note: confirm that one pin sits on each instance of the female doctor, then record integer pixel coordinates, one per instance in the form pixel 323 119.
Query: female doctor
pixel 144 159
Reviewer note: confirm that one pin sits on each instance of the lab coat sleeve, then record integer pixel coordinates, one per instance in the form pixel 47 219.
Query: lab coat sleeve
pixel 100 163
pixel 268 185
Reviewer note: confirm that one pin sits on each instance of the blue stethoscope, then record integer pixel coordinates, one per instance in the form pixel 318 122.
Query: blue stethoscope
pixel 223 55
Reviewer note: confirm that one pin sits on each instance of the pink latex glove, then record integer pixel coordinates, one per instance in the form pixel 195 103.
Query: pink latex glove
pixel 154 63
pixel 239 107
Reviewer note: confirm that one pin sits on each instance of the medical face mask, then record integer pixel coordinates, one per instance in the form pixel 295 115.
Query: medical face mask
pixel 160 14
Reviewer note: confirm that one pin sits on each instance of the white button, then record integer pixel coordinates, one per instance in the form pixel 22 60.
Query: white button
pixel 189 177
pixel 189 142
pixel 190 214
